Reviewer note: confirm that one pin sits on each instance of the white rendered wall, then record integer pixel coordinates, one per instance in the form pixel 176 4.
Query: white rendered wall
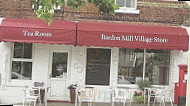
pixel 12 91
pixel 78 72
pixel 177 57
pixel 188 82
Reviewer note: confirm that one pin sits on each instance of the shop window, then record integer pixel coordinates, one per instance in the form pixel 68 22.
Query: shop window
pixel 59 64
pixel 157 67
pixel 127 6
pixel 22 61
pixel 98 66
pixel 130 67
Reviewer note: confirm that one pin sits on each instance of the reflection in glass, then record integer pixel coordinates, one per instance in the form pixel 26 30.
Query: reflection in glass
pixel 120 3
pixel 23 50
pixel 130 68
pixel 21 70
pixel 59 64
pixel 98 66
pixel 128 3
pixel 157 67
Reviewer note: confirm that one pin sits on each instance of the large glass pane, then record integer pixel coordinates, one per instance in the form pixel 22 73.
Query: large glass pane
pixel 129 2
pixel 130 69
pixel 157 67
pixel 59 64
pixel 98 66
pixel 21 70
pixel 23 50
pixel 120 3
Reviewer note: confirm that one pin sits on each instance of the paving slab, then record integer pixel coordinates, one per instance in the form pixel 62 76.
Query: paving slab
pixel 94 104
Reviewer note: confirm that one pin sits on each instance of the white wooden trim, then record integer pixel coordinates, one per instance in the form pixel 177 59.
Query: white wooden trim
pixel 127 11
pixel 1 19
pixel 144 64
pixel 130 10
pixel 61 50
pixel 21 60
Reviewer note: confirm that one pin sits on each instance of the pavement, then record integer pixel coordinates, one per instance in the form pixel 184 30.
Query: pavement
pixel 94 104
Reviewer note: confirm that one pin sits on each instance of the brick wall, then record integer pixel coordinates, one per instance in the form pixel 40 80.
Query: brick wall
pixel 164 11
pixel 16 9
pixel 151 12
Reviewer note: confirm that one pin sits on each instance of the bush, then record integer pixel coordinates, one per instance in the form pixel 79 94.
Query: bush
pixel 137 93
pixel 142 84
pixel 139 99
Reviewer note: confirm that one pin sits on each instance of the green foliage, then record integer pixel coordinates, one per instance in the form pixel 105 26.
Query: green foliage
pixel 45 8
pixel 140 99
pixel 142 84
pixel 137 93
pixel 105 6
pixel 75 4
pixel 96 2
pixel 162 58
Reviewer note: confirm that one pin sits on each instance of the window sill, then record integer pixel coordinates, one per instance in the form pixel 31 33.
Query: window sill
pixel 19 83
pixel 127 10
pixel 134 86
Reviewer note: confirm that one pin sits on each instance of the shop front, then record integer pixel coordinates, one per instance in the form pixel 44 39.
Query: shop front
pixel 91 54
pixel 31 52
pixel 141 49
pixel 138 52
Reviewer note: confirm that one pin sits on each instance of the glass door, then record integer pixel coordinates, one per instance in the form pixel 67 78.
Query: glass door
pixel 58 75
pixel 59 65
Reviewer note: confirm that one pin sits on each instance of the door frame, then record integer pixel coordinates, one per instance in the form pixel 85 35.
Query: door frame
pixel 66 97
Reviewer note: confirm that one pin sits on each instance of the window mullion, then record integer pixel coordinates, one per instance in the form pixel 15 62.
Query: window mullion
pixel 135 4
pixel 24 60
pixel 22 70
pixel 144 64
pixel 23 50
pixel 132 4
pixel 125 3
